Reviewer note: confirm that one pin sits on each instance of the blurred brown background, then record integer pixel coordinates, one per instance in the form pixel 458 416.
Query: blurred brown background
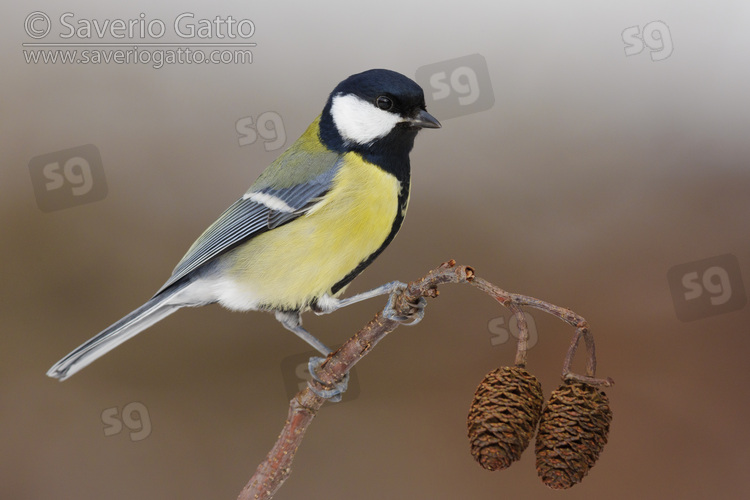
pixel 590 176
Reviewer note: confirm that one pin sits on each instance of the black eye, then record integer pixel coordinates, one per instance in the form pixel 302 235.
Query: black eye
pixel 384 102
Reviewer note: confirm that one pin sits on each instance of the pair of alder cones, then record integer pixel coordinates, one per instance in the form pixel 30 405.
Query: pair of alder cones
pixel 572 426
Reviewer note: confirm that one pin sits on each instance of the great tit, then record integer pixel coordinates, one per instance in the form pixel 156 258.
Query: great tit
pixel 313 220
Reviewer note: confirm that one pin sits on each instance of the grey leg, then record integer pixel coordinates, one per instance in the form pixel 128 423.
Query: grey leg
pixel 329 304
pixel 293 322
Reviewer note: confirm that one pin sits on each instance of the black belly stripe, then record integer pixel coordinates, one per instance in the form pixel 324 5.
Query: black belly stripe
pixel 403 198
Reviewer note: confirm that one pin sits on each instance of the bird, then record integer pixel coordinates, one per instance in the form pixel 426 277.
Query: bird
pixel 313 220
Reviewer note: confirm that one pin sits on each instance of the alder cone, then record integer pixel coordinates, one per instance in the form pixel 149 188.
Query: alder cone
pixel 572 432
pixel 503 416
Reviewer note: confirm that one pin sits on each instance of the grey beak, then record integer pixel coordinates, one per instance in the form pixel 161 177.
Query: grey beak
pixel 424 120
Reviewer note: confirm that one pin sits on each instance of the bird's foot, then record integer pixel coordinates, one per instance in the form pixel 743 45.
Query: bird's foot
pixel 331 392
pixel 416 312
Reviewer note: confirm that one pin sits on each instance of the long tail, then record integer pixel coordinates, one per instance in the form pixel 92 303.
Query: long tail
pixel 156 309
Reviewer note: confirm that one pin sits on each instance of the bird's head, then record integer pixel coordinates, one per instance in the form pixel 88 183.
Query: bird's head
pixel 373 110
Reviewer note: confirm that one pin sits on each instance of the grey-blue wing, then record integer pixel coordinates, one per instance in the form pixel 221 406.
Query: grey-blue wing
pixel 258 211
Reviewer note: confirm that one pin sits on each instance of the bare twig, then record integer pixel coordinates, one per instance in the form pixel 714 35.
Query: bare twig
pixel 276 468
pixel 514 301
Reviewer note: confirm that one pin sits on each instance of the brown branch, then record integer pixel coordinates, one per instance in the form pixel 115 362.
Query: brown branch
pixel 276 468
pixel 514 301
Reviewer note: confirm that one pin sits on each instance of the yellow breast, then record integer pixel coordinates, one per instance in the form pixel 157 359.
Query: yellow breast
pixel 291 265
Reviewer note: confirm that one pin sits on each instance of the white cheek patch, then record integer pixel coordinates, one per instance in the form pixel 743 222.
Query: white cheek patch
pixel 360 121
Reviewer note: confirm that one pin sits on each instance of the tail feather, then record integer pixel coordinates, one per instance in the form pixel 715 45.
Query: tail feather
pixel 156 309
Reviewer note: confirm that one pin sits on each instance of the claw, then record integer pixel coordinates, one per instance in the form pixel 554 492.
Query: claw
pixel 332 392
pixel 389 312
